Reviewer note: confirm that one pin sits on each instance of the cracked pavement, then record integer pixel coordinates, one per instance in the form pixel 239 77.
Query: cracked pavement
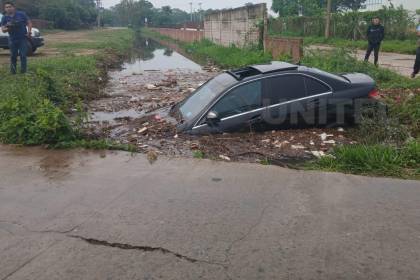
pixel 112 215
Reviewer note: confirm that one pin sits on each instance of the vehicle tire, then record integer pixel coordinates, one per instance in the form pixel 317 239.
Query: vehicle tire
pixel 30 48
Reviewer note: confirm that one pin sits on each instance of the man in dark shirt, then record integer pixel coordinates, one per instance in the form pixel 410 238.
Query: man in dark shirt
pixel 416 68
pixel 15 23
pixel 375 36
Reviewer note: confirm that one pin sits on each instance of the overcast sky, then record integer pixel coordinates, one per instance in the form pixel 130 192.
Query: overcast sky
pixel 219 4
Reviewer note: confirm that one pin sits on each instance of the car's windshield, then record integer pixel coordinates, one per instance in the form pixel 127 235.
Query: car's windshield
pixel 204 95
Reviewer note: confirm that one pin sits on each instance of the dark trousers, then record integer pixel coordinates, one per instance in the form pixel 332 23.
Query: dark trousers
pixel 417 63
pixel 375 48
pixel 18 48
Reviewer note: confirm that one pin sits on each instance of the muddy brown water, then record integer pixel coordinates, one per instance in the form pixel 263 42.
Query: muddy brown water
pixel 135 110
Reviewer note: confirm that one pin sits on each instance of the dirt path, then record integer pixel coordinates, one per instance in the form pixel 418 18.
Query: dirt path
pixel 400 63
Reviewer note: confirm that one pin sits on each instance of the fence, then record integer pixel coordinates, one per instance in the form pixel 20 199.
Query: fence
pixel 398 24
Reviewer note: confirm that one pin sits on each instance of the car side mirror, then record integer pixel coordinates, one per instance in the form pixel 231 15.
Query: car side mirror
pixel 212 118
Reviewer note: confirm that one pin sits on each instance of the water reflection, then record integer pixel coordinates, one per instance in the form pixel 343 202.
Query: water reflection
pixel 149 55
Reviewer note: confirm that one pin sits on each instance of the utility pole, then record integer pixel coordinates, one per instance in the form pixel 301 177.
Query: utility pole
pixel 328 19
pixel 99 8
pixel 191 6
pixel 201 11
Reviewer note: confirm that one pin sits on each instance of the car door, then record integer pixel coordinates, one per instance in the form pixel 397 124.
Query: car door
pixel 318 95
pixel 238 109
pixel 285 97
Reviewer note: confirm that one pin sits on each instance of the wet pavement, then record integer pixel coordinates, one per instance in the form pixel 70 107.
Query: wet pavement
pixel 112 215
pixel 135 111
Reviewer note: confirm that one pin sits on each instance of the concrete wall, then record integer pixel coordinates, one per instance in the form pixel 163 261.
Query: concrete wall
pixel 284 46
pixel 238 26
pixel 180 34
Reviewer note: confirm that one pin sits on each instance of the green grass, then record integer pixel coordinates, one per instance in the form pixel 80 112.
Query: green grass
pixel 115 39
pixel 395 46
pixel 379 160
pixel 198 154
pixel 227 57
pixel 45 105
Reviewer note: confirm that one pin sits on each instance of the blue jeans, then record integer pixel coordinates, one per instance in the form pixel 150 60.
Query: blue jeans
pixel 18 48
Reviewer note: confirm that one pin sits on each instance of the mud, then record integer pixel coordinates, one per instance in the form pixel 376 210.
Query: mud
pixel 135 111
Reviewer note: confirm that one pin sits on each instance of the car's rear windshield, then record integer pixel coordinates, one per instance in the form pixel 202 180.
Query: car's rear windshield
pixel 204 95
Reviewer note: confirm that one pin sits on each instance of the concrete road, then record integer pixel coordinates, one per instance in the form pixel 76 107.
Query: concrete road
pixel 92 215
pixel 400 63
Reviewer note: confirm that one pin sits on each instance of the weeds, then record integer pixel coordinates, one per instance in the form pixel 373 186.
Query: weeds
pixel 198 154
pixel 380 160
pixel 44 106
pixel 227 56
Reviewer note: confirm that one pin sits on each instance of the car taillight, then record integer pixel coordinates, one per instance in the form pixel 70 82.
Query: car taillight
pixel 374 94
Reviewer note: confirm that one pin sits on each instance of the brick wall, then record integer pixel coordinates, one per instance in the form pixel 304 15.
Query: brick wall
pixel 180 34
pixel 284 46
pixel 238 26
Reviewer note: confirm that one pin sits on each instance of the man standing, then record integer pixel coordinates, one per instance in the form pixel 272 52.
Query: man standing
pixel 375 35
pixel 15 23
pixel 417 63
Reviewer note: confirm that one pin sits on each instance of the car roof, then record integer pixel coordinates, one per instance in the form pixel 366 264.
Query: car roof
pixel 274 66
pixel 261 69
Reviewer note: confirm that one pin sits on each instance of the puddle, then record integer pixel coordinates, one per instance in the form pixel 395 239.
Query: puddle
pixel 150 56
pixel 163 60
pixel 150 63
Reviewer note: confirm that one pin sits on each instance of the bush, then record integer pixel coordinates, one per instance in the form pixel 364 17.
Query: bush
pixel 33 107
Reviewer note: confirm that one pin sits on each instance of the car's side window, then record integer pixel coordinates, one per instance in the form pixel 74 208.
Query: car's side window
pixel 283 88
pixel 240 100
pixel 314 87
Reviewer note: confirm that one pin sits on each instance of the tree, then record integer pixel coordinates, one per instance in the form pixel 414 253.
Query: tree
pixel 297 7
pixel 68 14
pixel 313 7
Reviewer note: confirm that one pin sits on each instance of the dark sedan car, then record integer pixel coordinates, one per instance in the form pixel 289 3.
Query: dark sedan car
pixel 271 95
